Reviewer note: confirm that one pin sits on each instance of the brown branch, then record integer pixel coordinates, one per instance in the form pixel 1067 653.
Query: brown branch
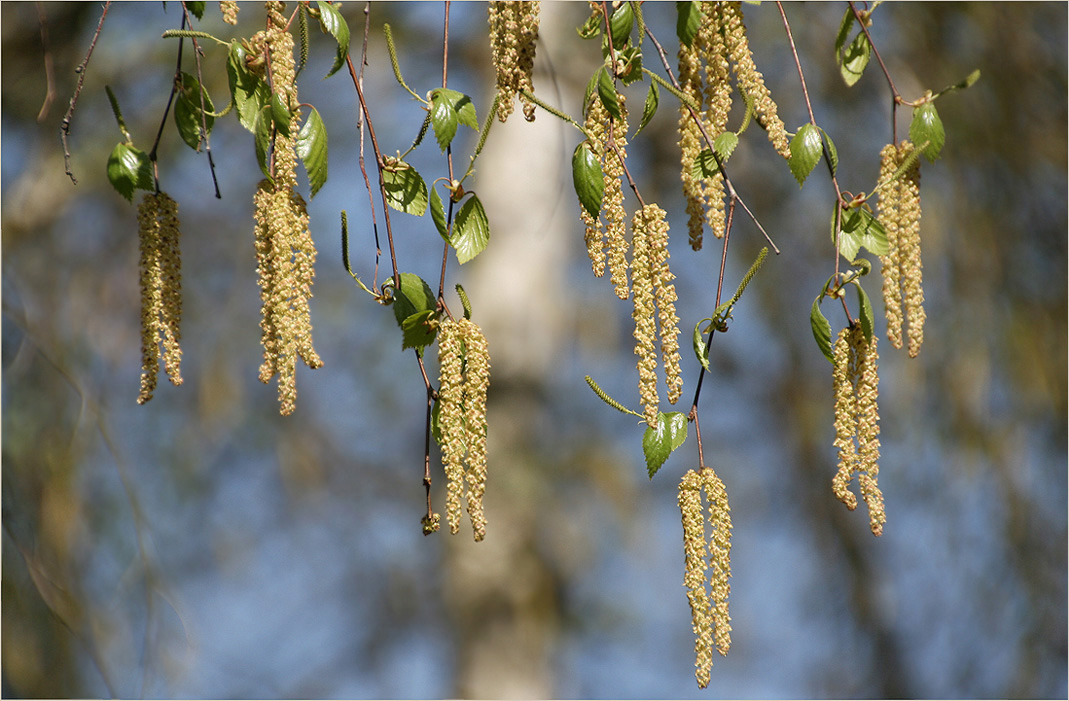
pixel 65 128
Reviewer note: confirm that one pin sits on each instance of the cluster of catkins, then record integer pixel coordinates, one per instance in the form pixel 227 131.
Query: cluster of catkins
pixel 160 269
pixel 513 31
pixel 285 252
pixel 900 215
pixel 708 565
pixel 704 76
pixel 857 421
pixel 464 366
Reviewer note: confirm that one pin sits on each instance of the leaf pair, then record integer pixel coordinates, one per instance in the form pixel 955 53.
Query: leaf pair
pixel 819 323
pixel 449 109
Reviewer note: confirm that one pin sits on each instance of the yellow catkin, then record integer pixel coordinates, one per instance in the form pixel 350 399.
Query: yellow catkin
pixel 451 416
pixel 910 244
pixel 476 383
pixel 594 235
pixel 229 8
pixel 665 294
pixel 160 278
pixel 857 430
pixel 615 214
pixel 890 264
pixel 513 32
pixel 707 566
pixel 750 79
pixel 643 315
pixel 285 252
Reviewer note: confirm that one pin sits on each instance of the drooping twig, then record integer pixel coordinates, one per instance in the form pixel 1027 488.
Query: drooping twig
pixel 895 96
pixel 203 107
pixel 65 128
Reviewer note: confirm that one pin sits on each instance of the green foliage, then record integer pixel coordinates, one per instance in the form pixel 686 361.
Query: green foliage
pixel 607 93
pixel 331 22
pixel 806 149
pixel 821 328
pixel 620 23
pixel 449 109
pixel 415 308
pixel 926 131
pixel 248 92
pixel 659 441
pixel 311 147
pixel 588 179
pixel 471 230
pixel 852 58
pixel 859 229
pixel 688 21
pixel 129 169
pixel 649 108
pixel 187 111
pixel 403 187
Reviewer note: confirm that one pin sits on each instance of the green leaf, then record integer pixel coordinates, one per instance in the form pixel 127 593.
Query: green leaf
pixel 591 86
pixel 471 230
pixel 588 179
pixel 853 61
pixel 438 214
pixel 821 328
pixel 404 188
pixel 418 330
pixel 311 147
pixel 631 69
pixel 701 348
pixel 196 9
pixel 969 80
pixel 129 169
pixel 844 31
pixel 829 148
pixel 926 127
pixel 248 90
pixel 653 99
pixel 187 113
pixel 607 93
pixel 659 442
pixel 443 119
pixel 412 296
pixel 725 146
pixel 806 150
pixel 262 139
pixel 620 23
pixel 861 228
pixel 331 21
pixel 867 315
pixel 688 21
pixel 704 165
pixel 591 28
pixel 280 114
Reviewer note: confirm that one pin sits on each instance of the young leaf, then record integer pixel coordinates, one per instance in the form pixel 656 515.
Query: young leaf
pixel 806 150
pixel 688 21
pixel 262 139
pixel 659 442
pixel 438 214
pixel 412 296
pixel 926 127
pixel 630 60
pixel 653 99
pixel 591 28
pixel 248 91
pixel 701 349
pixel 861 228
pixel 471 230
pixel 311 147
pixel 844 31
pixel 725 146
pixel 280 114
pixel 821 328
pixel 196 9
pixel 404 188
pixel 588 179
pixel 591 86
pixel 704 165
pixel 852 62
pixel 866 314
pixel 129 169
pixel 969 80
pixel 443 119
pixel 187 114
pixel 620 24
pixel 331 21
pixel 607 93
pixel 418 330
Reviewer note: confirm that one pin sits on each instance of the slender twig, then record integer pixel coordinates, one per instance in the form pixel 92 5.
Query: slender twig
pixel 50 74
pixel 65 128
pixel 175 81
pixel 360 128
pixel 203 107
pixel 896 97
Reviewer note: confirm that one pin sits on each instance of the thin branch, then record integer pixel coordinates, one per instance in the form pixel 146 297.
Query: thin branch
pixel 896 97
pixel 203 107
pixel 360 129
pixel 65 128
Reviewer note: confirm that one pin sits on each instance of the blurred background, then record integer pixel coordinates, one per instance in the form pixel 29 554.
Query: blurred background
pixel 203 546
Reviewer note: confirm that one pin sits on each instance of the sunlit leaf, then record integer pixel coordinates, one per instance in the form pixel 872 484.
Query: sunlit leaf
pixel 704 165
pixel 438 214
pixel 659 441
pixel 471 230
pixel 404 188
pixel 701 348
pixel 311 147
pixel 280 114
pixel 607 93
pixel 927 128
pixel 821 328
pixel 688 21
pixel 262 139
pixel 588 179
pixel 806 150
pixel 443 119
pixel 653 99
pixel 855 58
pixel 248 90
pixel 725 146
pixel 866 314
pixel 620 23
pixel 418 330
pixel 331 21
pixel 129 169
